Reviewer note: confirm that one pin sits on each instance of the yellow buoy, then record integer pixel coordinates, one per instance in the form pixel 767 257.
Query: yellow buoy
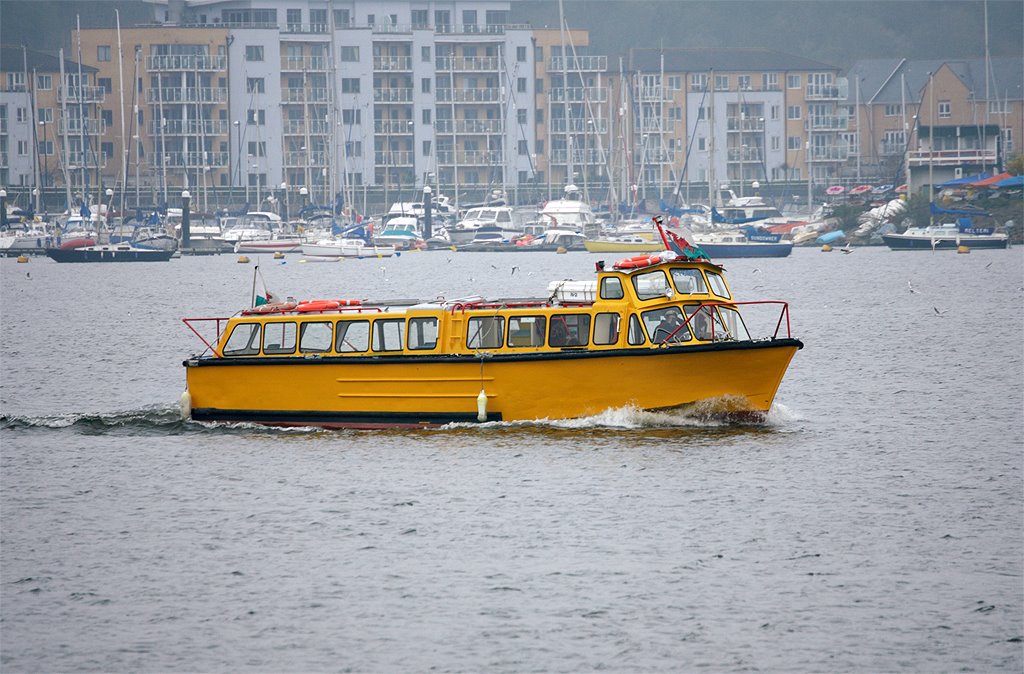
pixel 278 255
pixel 242 259
pixel 453 248
pixel 963 249
pixel 22 259
pixel 561 251
pixel 826 248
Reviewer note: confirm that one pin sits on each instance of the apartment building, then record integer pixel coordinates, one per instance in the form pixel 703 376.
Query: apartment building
pixel 734 116
pixel 911 119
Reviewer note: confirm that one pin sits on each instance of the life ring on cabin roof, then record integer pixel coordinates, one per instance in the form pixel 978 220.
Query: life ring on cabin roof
pixel 638 262
pixel 348 303
pixel 316 305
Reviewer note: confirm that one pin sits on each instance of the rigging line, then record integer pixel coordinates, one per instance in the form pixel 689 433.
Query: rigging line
pixel 689 146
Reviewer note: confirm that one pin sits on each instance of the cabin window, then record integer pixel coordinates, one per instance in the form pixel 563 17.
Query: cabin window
pixel 387 335
pixel 666 325
pixel 652 285
pixel 636 333
pixel 606 328
pixel 718 285
pixel 279 338
pixel 485 332
pixel 244 340
pixel 689 282
pixel 731 324
pixel 422 333
pixel 700 318
pixel 569 330
pixel 353 337
pixel 315 337
pixel 611 288
pixel 525 331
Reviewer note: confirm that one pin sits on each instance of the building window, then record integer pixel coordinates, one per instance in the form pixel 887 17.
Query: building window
pixel 892 109
pixel 22 148
pixel 698 81
pixel 349 54
pixel 105 84
pixel 773 111
pixel 354 148
pixel 743 83
pixel 524 148
pixel 538 147
pixel 521 85
pixel 945 110
pixel 521 116
pixel 702 144
pixel 350 116
pixel 425 85
pixel 44 82
pixel 1008 140
pixel 294 18
pixel 425 54
pixel 45 115
pixel 792 81
pixel 721 83
pixel 350 85
pixel 675 82
pixel 108 117
pixel 776 142
pixel 539 86
pixel 342 17
pixel 521 54
pixel 675 113
pixel 255 85
pixel 793 112
pixel 538 116
pixel 103 52
pixel 318 20
pixel 426 116
pixel 421 18
pixel 253 52
pixel 442 21
pixel 793 143
pixel 770 81
pixel 257 148
pixel 256 117
pixel 469 20
pixel 21 114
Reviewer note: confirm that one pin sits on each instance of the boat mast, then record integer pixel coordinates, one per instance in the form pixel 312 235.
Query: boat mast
pixel 713 194
pixel 67 128
pixel 163 136
pixel 35 137
pixel 931 148
pixel 81 110
pixel 565 96
pixel 123 177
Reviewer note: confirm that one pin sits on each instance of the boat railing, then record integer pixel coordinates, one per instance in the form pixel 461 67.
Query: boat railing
pixel 783 315
pixel 211 347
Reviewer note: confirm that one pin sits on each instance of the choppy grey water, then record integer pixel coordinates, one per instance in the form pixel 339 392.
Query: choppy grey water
pixel 872 523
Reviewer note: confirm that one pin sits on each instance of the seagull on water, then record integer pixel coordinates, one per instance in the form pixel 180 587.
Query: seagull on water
pixel 912 289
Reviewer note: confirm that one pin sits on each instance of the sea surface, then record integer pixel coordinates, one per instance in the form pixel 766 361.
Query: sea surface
pixel 872 523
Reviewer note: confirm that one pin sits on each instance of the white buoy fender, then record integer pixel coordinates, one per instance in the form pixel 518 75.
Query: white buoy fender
pixel 481 406
pixel 185 405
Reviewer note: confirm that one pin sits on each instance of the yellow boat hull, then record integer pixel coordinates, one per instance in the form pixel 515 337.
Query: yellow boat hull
pixel 415 391
pixel 600 246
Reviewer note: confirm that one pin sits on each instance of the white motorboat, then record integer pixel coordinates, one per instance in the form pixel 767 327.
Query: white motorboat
pixel 570 212
pixel 335 248
pixel 489 219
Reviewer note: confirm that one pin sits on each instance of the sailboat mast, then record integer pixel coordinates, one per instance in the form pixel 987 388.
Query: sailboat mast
pixel 67 128
pixel 81 109
pixel 712 186
pixel 565 96
pixel 123 178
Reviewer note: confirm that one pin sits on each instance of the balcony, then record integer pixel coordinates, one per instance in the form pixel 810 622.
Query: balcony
pixel 393 158
pixel 744 124
pixel 81 94
pixel 654 125
pixel 195 159
pixel 466 63
pixel 824 92
pixel 469 126
pixel 658 156
pixel 3 125
pixel 827 123
pixel 491 95
pixel 654 94
pixel 582 126
pixel 891 149
pixel 834 153
pixel 393 127
pixel 91 127
pixel 952 157
pixel 190 127
pixel 400 95
pixel 470 158
pixel 296 127
pixel 304 63
pixel 301 95
pixel 749 154
pixel 90 159
pixel 476 29
pixel 315 158
pixel 306 28
pixel 559 64
pixel 590 156
pixel 187 95
pixel 185 62
pixel 392 63
pixel 579 94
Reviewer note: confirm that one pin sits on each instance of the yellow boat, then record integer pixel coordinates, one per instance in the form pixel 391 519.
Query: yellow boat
pixel 623 244
pixel 654 332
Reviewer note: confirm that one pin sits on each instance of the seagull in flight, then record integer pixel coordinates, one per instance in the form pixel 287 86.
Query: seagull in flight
pixel 912 289
pixel 939 312
pixel 515 268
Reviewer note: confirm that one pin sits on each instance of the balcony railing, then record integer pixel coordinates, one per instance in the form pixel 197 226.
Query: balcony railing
pixel 891 149
pixel 92 127
pixel 952 157
pixel 187 95
pixel 741 124
pixel 314 158
pixel 466 63
pixel 90 159
pixel 658 156
pixel 475 29
pixel 299 63
pixel 750 154
pixel 306 28
pixel 469 126
pixel 824 92
pixel 560 63
pixel 577 125
pixel 579 94
pixel 303 95
pixel 834 153
pixel 393 158
pixel 190 127
pixel 392 63
pixel 401 95
pixel 393 127
pixel 294 127
pixel 470 158
pixel 488 95
pixel 654 93
pixel 81 94
pixel 654 125
pixel 579 156
pixel 827 123
pixel 186 62
pixel 195 159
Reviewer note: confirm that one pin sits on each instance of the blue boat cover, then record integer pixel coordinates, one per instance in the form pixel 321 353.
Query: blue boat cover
pixel 966 180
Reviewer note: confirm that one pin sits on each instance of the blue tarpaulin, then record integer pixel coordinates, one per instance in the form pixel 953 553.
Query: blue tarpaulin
pixel 1012 181
pixel 966 180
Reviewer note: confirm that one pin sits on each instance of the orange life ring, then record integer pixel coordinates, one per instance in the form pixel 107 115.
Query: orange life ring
pixel 316 305
pixel 638 262
pixel 348 303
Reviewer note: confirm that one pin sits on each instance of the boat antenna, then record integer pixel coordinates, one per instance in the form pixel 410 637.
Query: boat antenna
pixel 255 271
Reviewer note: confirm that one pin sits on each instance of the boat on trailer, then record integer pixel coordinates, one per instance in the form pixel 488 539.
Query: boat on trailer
pixel 656 332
